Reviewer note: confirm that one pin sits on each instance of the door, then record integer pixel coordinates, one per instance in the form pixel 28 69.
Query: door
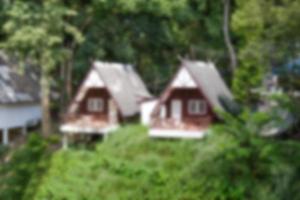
pixel 113 112
pixel 163 112
pixel 176 110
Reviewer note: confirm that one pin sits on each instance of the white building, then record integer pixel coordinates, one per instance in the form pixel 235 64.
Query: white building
pixel 19 99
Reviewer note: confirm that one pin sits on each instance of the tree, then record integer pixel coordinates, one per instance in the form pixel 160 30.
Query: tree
pixel 152 35
pixel 248 25
pixel 35 33
pixel 236 162
pixel 227 38
pixel 24 163
pixel 267 38
pixel 82 21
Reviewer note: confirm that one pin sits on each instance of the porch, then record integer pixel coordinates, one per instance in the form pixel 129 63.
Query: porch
pixel 12 135
pixel 164 133
pixel 170 128
pixel 87 124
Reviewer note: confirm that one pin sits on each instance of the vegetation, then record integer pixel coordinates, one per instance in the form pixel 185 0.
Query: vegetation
pixel 39 36
pixel 267 41
pixel 129 165
pixel 16 174
pixel 152 35
pixel 247 39
pixel 63 37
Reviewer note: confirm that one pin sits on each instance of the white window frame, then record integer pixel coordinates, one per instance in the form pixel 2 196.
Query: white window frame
pixel 95 104
pixel 197 107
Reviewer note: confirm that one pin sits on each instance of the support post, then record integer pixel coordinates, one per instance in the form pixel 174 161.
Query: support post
pixel 65 142
pixel 5 138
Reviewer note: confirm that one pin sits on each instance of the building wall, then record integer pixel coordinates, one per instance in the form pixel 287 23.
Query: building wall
pixel 93 80
pixel 183 80
pixel 92 93
pixel 99 93
pixel 186 94
pixel 13 116
pixel 146 111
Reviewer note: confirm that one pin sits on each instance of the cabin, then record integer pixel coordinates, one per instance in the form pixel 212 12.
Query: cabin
pixel 110 94
pixel 20 106
pixel 188 105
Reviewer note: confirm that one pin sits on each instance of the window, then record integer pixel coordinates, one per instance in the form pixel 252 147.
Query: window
pixel 197 107
pixel 95 105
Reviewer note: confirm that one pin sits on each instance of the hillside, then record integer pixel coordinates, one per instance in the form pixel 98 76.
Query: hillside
pixel 129 165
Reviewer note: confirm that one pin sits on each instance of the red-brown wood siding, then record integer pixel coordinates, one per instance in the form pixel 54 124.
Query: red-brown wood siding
pixel 98 93
pixel 100 118
pixel 185 95
pixel 92 93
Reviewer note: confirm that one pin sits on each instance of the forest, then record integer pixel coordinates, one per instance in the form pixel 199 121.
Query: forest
pixel 249 41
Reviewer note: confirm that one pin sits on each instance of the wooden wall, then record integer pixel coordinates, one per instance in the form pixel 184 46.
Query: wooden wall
pixel 185 95
pixel 99 93
pixel 95 92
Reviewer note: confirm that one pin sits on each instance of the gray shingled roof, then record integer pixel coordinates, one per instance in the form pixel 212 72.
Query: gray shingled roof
pixel 124 84
pixel 17 87
pixel 210 81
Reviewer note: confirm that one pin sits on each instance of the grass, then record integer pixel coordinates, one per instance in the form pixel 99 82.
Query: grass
pixel 128 165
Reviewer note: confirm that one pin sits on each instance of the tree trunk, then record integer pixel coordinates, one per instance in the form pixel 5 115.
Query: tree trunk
pixel 228 42
pixel 62 90
pixel 66 87
pixel 46 118
pixel 69 78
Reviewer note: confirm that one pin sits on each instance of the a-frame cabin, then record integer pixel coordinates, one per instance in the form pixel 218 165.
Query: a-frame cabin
pixel 110 94
pixel 187 107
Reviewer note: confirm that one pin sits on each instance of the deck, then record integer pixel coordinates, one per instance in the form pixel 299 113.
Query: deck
pixel 168 128
pixel 190 125
pixel 87 124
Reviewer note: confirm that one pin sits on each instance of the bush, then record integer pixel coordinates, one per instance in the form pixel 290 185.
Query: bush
pixel 231 163
pixel 3 151
pixel 16 174
pixel 235 162
pixel 128 165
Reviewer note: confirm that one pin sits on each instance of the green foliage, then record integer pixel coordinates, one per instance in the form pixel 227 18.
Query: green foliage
pixel 37 31
pixel 232 163
pixel 17 173
pixel 152 35
pixel 249 25
pixel 267 37
pixel 247 78
pixel 239 164
pixel 286 104
pixel 3 151
pixel 128 165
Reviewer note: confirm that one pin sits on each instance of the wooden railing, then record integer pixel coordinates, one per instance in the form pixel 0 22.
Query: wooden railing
pixel 72 118
pixel 186 124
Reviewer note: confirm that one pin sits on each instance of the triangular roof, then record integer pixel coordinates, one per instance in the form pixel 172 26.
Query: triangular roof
pixel 16 87
pixel 208 81
pixel 122 82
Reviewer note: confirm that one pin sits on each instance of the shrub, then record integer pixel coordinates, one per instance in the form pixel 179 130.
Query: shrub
pixel 16 174
pixel 235 162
